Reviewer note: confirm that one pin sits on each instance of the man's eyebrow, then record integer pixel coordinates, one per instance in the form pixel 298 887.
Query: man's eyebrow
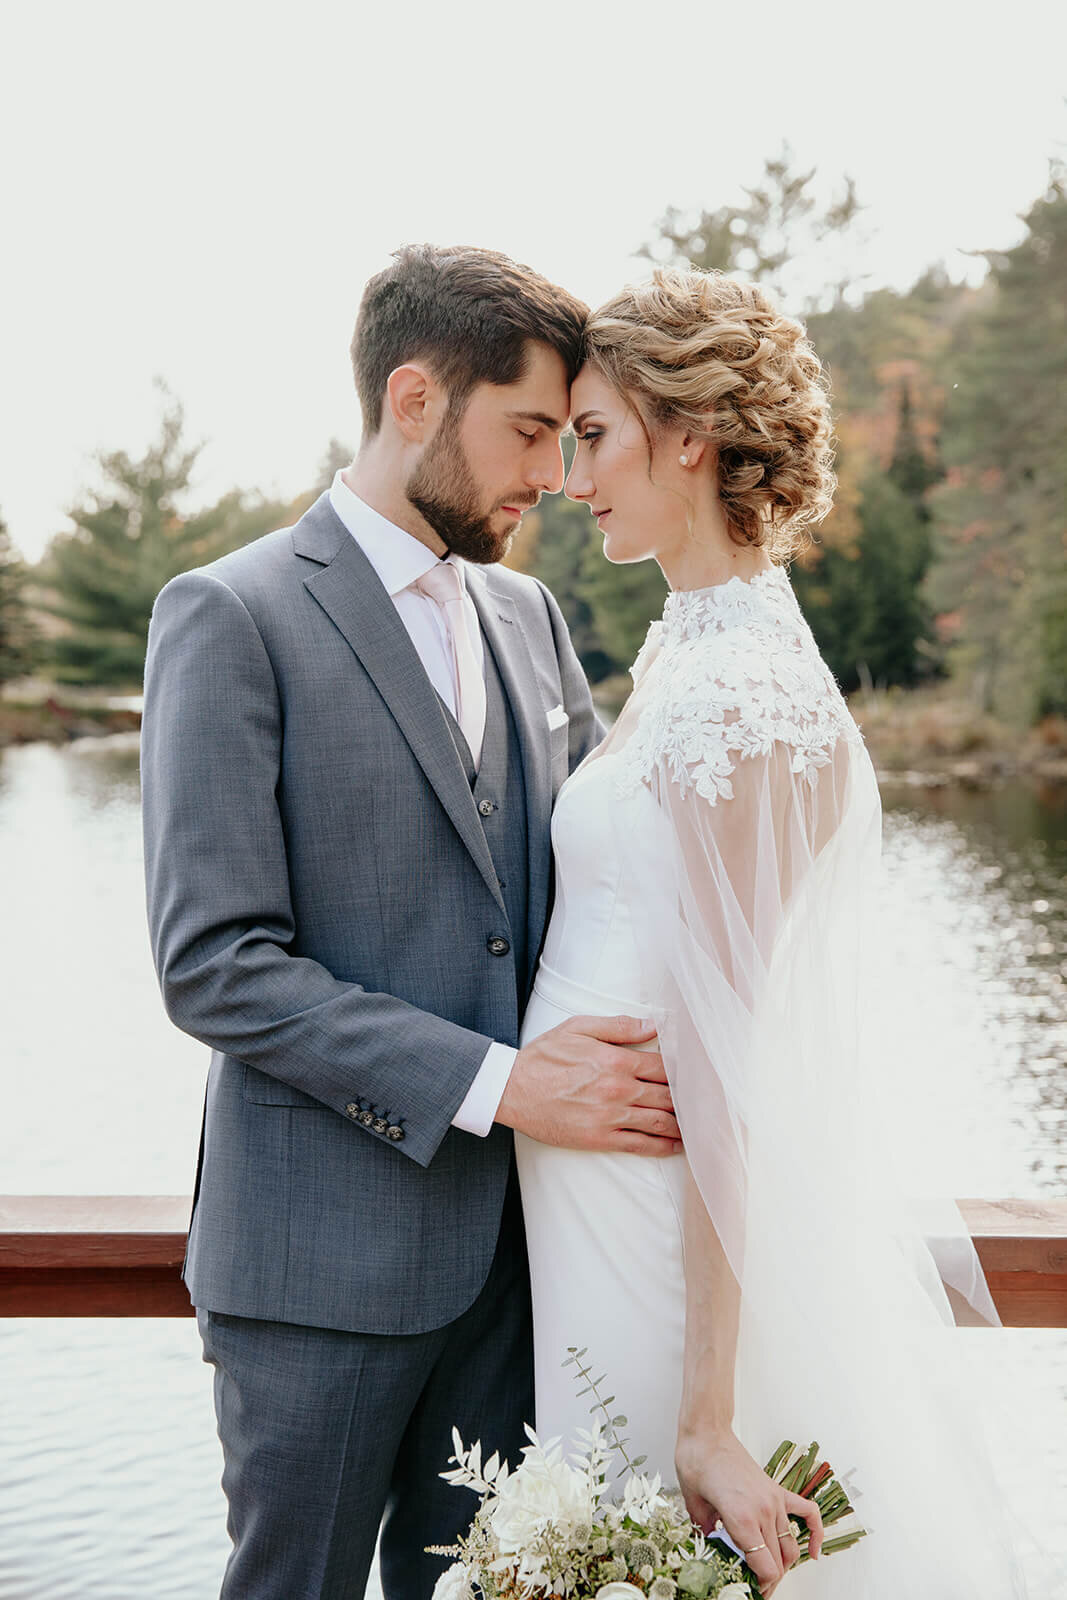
pixel 580 422
pixel 538 416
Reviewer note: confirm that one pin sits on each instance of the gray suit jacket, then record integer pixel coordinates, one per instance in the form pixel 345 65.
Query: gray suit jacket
pixel 322 901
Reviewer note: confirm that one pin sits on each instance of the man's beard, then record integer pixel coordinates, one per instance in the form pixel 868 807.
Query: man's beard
pixel 443 491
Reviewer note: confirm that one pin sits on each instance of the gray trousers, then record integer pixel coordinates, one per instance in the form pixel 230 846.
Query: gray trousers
pixel 327 1433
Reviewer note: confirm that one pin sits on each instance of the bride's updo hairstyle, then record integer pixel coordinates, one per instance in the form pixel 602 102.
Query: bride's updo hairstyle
pixel 714 354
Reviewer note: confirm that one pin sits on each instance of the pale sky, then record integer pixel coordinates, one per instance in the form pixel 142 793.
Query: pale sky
pixel 200 190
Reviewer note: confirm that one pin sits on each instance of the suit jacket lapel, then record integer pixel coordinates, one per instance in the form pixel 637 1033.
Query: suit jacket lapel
pixel 505 637
pixel 349 590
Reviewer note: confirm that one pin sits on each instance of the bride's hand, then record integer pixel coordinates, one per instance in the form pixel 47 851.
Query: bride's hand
pixel 720 1480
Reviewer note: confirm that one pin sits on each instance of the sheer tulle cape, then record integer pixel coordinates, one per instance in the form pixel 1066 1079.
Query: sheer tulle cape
pixel 752 816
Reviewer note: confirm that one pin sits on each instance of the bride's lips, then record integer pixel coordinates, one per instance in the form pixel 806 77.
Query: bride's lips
pixel 600 515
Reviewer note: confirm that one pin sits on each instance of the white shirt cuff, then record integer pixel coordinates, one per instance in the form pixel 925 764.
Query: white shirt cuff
pixel 479 1108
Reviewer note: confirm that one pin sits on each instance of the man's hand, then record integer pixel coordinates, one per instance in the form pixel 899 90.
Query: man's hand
pixel 585 1086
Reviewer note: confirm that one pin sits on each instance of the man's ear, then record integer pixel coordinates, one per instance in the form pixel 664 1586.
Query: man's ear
pixel 414 398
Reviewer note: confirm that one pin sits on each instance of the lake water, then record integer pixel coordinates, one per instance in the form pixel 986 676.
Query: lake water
pixel 109 1464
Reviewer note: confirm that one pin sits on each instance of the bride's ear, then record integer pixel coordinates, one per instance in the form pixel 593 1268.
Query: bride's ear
pixel 691 450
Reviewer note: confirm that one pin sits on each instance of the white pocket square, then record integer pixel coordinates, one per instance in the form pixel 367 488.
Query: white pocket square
pixel 557 718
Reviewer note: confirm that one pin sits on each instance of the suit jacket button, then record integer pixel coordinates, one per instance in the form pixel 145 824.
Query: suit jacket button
pixel 395 1133
pixel 380 1125
pixel 497 946
pixel 351 1110
pixel 366 1117
pixel 486 807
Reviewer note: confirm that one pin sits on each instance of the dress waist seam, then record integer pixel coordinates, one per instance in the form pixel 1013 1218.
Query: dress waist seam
pixel 577 998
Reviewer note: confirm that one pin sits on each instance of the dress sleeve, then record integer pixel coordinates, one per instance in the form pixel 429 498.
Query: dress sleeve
pixel 753 820
pixel 762 823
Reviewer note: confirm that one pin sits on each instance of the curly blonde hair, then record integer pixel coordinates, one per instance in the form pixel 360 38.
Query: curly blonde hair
pixel 716 355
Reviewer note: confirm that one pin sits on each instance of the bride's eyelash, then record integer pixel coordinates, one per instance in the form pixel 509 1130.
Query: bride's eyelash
pixel 590 436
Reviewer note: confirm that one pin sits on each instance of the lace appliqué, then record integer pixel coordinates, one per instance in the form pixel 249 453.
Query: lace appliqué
pixel 737 672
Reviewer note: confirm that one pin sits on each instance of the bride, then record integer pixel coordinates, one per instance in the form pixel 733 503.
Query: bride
pixel 715 858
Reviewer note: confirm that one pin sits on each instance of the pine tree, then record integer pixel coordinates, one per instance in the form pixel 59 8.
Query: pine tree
pixel 130 539
pixel 778 223
pixel 910 469
pixel 1002 513
pixel 337 456
pixel 18 641
pixel 864 600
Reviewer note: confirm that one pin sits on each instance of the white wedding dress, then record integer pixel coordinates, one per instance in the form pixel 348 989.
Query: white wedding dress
pixel 714 861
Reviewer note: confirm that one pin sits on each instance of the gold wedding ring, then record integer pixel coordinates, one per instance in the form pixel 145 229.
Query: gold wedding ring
pixel 753 1548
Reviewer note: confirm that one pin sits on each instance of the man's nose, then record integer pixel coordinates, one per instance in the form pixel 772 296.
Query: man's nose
pixel 547 471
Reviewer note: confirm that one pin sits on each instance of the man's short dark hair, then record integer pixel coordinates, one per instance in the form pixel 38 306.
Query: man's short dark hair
pixel 467 313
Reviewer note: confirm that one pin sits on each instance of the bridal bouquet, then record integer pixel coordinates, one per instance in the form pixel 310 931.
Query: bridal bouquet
pixel 548 1528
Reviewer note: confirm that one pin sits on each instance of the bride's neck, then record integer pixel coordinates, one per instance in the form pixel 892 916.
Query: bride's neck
pixel 705 555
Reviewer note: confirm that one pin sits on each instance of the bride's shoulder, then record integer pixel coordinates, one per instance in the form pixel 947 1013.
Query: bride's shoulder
pixel 741 645
pixel 738 673
pixel 648 652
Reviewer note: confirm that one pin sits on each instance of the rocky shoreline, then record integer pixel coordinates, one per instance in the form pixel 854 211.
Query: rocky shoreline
pixel 52 721
pixel 928 738
pixel 922 739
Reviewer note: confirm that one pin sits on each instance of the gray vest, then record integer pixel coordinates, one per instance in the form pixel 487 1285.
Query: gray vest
pixel 500 796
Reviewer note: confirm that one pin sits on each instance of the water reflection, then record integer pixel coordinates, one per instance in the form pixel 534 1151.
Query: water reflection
pixel 101 1093
pixel 988 873
pixel 105 772
pixel 1015 814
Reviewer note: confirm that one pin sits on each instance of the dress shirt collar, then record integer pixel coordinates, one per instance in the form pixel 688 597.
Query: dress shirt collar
pixel 397 557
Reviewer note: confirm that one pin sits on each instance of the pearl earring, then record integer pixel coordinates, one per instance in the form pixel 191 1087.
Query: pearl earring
pixel 684 460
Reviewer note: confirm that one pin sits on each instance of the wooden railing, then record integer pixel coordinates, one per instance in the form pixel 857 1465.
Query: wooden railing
pixel 121 1255
pixel 93 1255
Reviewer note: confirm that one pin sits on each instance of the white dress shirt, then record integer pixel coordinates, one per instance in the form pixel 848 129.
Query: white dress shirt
pixel 400 559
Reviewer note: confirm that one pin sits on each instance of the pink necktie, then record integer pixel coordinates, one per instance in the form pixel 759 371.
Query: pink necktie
pixel 442 583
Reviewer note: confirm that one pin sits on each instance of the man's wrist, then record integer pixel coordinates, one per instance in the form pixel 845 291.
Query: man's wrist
pixel 478 1111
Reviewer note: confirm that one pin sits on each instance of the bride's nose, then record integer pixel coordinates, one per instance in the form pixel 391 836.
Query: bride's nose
pixel 578 484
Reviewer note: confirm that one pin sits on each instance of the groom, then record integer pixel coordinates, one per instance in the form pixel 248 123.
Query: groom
pixel 354 731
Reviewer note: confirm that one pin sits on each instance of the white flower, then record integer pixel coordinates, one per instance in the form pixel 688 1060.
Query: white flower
pixel 544 1489
pixel 454 1584
pixel 620 1591
pixel 641 1498
pixel 735 1591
